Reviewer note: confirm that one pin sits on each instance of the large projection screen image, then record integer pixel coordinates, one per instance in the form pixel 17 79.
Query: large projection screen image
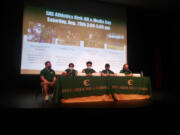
pixel 64 37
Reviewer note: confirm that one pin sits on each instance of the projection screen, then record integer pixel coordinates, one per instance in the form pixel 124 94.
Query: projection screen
pixel 64 37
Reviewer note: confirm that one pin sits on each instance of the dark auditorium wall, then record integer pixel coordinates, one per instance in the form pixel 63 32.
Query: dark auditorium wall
pixel 147 44
pixel 150 44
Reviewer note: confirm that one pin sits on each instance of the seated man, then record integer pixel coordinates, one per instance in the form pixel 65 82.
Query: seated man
pixel 48 78
pixel 107 71
pixel 126 70
pixel 89 69
pixel 70 71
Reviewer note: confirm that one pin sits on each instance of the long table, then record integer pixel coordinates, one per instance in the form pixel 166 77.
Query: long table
pixel 95 88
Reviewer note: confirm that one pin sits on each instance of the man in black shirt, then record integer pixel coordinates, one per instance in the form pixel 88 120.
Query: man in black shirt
pixel 89 69
pixel 107 71
pixel 126 70
pixel 70 71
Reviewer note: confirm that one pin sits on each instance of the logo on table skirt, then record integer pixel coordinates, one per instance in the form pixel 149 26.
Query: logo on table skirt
pixel 86 82
pixel 51 72
pixel 130 82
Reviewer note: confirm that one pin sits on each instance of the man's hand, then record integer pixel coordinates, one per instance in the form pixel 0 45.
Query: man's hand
pixel 88 74
pixel 64 74
pixel 114 74
pixel 48 83
pixel 102 74
pixel 70 72
pixel 128 74
pixel 51 83
pixel 45 82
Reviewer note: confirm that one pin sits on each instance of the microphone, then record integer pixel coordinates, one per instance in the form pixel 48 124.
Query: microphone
pixel 141 73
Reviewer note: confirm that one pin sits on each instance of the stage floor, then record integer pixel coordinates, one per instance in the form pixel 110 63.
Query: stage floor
pixel 21 98
pixel 162 111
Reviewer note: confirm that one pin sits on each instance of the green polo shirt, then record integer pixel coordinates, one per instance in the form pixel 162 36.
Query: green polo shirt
pixel 48 74
pixel 89 71
pixel 126 71
pixel 74 72
pixel 108 72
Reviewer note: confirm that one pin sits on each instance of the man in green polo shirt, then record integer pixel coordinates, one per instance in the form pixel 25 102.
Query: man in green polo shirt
pixel 126 70
pixel 70 71
pixel 107 71
pixel 48 78
pixel 89 69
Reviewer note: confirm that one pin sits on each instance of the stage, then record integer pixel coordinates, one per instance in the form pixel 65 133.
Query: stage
pixel 30 99
pixel 160 113
pixel 150 50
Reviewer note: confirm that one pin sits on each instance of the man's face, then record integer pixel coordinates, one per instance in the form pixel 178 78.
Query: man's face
pixel 89 65
pixel 48 65
pixel 71 66
pixel 126 66
pixel 107 67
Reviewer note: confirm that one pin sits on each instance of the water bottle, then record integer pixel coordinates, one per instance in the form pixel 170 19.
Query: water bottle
pixel 141 74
